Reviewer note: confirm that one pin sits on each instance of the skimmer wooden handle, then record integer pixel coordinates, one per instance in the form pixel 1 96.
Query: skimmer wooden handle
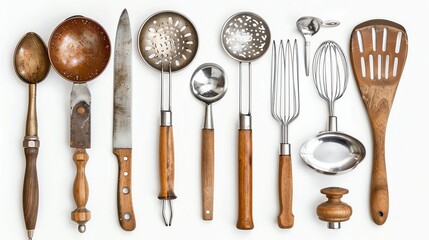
pixel 245 218
pixel 166 163
pixel 125 201
pixel 285 219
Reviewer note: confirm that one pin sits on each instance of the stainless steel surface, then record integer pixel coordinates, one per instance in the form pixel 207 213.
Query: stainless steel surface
pixel 168 38
pixel 122 124
pixel 332 152
pixel 330 73
pixel 166 118
pixel 80 119
pixel 285 86
pixel 308 26
pixel 209 84
pixel 334 225
pixel 245 37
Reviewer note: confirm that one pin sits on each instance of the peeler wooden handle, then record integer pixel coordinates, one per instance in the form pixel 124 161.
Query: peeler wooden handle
pixel 125 201
pixel 80 215
pixel 379 194
pixel 207 172
pixel 30 196
pixel 285 219
pixel 245 218
pixel 166 163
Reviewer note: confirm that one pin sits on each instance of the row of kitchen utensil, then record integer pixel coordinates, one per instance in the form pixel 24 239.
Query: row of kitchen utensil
pixel 79 50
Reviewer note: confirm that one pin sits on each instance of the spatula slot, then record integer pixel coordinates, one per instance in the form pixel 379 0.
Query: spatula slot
pixel 360 41
pixel 398 42
pixel 371 67
pixel 362 65
pixel 395 67
pixel 386 69
pixel 383 48
pixel 374 39
pixel 379 67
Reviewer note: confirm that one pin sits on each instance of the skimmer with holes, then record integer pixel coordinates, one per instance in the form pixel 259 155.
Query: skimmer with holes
pixel 167 42
pixel 245 37
pixel 378 51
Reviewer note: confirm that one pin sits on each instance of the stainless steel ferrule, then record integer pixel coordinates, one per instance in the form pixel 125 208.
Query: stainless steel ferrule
pixel 284 149
pixel 166 119
pixel 332 124
pixel 208 118
pixel 245 121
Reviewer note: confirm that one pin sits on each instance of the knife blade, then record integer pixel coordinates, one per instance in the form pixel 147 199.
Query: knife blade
pixel 122 125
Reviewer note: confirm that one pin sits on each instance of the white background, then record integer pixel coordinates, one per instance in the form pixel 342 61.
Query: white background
pixel 406 141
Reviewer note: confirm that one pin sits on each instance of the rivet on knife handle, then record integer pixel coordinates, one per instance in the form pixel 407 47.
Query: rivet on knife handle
pixel 125 204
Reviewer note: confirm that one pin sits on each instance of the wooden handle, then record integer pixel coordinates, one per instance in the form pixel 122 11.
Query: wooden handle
pixel 245 218
pixel 30 197
pixel 80 215
pixel 166 163
pixel 125 200
pixel 379 195
pixel 207 172
pixel 285 219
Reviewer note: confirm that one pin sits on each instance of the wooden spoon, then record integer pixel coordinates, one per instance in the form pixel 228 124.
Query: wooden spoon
pixel 378 51
pixel 32 65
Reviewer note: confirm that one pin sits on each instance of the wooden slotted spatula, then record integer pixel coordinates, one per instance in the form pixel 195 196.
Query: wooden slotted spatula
pixel 378 50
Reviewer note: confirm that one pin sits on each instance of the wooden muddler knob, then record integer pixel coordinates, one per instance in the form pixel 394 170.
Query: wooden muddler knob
pixel 334 211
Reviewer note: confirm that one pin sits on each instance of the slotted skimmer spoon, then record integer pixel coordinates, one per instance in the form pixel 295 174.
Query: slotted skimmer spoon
pixel 245 37
pixel 167 42
pixel 378 50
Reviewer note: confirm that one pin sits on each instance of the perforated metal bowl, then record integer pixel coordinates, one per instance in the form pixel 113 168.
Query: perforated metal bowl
pixel 167 37
pixel 245 36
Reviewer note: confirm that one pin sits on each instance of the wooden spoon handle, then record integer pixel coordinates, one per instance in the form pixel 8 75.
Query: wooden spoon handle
pixel 207 172
pixel 125 200
pixel 379 195
pixel 30 197
pixel 245 218
pixel 285 219
pixel 166 163
pixel 80 215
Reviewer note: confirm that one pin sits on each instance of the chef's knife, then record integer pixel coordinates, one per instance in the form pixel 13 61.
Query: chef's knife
pixel 80 139
pixel 122 136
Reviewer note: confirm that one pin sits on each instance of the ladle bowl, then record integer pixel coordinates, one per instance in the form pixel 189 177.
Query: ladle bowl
pixel 332 152
pixel 208 83
pixel 79 49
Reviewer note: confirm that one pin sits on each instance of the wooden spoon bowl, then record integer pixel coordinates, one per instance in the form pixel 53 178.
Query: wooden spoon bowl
pixel 79 49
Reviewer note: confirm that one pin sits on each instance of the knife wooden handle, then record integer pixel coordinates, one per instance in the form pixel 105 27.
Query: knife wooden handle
pixel 80 215
pixel 379 195
pixel 166 163
pixel 125 200
pixel 245 218
pixel 285 219
pixel 207 172
pixel 30 196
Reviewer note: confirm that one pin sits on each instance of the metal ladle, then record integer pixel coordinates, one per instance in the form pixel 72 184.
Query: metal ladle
pixel 209 84
pixel 32 65
pixel 308 26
